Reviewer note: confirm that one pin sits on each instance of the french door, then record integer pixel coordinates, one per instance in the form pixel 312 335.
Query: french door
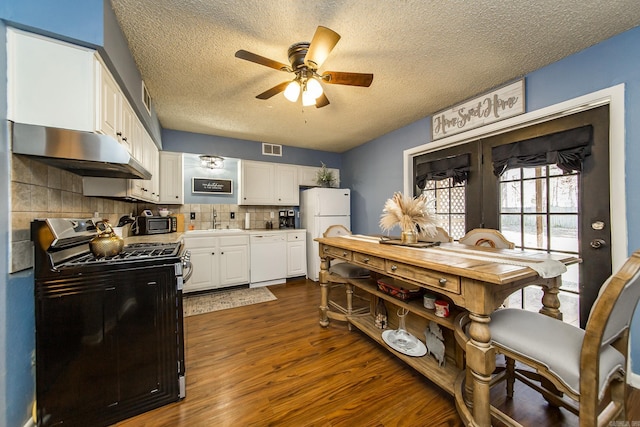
pixel 540 208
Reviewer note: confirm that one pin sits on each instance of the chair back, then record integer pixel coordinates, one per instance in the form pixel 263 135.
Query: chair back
pixel 336 231
pixel 441 236
pixel 613 309
pixel 486 237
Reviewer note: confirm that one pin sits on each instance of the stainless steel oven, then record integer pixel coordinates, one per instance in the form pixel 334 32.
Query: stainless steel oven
pixel 109 331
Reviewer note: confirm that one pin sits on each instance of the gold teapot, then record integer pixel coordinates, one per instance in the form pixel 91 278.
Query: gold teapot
pixel 107 243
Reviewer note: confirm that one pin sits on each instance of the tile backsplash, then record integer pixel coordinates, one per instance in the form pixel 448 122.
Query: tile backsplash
pixel 42 191
pixel 204 213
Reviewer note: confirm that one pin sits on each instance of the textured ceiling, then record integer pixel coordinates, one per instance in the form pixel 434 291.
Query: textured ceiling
pixel 425 56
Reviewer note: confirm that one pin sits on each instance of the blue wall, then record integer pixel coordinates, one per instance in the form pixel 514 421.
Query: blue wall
pixel 374 171
pixel 196 143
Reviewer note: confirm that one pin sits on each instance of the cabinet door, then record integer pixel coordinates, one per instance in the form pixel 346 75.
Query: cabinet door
pixel 205 270
pixel 126 130
pixel 307 176
pixel 234 265
pixel 257 183
pixel 49 82
pixel 296 258
pixel 171 178
pixel 109 117
pixel 287 189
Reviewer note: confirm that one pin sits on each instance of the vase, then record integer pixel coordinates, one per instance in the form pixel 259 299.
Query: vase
pixel 408 237
pixel 401 337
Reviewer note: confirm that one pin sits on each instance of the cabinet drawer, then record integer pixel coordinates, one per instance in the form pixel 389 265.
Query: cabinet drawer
pixel 369 261
pixel 234 240
pixel 434 279
pixel 200 242
pixel 336 252
pixel 296 236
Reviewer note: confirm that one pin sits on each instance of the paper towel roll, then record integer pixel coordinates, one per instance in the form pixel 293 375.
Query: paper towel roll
pixel 247 221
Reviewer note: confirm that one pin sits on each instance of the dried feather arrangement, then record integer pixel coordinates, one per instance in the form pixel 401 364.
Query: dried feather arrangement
pixel 410 213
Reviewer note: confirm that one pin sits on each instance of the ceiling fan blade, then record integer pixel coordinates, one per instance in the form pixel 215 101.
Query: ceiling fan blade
pixel 351 79
pixel 273 91
pixel 248 56
pixel 323 42
pixel 322 101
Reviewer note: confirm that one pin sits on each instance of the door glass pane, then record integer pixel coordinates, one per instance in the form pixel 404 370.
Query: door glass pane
pixel 447 202
pixel 511 174
pixel 534 195
pixel 510 226
pixel 537 172
pixel 535 232
pixel 564 233
pixel 457 226
pixel 563 194
pixel 570 279
pixel 510 196
pixel 533 298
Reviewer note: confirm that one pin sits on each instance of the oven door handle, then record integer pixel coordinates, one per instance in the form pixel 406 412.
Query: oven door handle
pixel 187 267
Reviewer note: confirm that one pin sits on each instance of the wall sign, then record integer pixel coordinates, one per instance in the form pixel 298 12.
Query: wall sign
pixel 211 186
pixel 499 104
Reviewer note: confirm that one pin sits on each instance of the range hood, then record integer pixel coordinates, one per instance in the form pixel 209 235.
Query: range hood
pixel 82 153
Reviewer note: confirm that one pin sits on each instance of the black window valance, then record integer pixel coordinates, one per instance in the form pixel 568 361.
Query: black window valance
pixel 456 167
pixel 565 149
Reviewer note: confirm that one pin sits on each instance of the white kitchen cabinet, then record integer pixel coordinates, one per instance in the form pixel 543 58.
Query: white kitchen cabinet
pixel 50 83
pixel 263 183
pixel 218 262
pixel 287 191
pixel 296 253
pixel 171 178
pixel 256 183
pixel 307 176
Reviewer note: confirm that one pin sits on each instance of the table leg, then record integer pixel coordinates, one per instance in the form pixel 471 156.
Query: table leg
pixel 481 360
pixel 324 292
pixel 550 300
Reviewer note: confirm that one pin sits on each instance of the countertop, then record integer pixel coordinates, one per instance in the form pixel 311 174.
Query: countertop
pixel 176 237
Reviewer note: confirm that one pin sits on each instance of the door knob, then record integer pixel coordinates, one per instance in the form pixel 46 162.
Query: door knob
pixel 597 243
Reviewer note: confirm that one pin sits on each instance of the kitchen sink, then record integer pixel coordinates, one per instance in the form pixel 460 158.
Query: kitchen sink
pixel 216 231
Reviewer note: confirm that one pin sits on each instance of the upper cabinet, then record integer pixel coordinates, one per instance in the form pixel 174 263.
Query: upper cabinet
pixel 263 183
pixel 171 178
pixel 57 84
pixel 307 176
pixel 50 83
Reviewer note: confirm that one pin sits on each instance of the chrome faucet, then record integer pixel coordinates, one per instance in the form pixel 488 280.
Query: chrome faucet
pixel 215 215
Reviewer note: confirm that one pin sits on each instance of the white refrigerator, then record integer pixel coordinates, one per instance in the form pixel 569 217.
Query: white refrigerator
pixel 321 208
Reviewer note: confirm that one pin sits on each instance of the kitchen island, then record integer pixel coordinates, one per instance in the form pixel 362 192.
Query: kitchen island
pixel 473 279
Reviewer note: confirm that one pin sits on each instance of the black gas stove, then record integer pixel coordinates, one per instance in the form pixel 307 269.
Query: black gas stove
pixel 134 252
pixel 111 327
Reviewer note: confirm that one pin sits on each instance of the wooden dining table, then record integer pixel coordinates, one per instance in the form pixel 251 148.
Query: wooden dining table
pixel 475 279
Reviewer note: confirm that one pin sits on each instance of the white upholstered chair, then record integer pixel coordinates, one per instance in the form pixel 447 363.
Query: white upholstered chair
pixel 339 275
pixel 583 366
pixel 486 237
pixel 441 236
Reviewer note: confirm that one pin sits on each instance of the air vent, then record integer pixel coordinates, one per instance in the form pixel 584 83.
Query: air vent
pixel 271 149
pixel 146 98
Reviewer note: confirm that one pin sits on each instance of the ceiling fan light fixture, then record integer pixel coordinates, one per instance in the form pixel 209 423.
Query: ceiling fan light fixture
pixel 307 99
pixel 314 88
pixel 292 92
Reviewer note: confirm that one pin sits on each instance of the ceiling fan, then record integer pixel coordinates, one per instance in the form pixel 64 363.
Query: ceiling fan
pixel 305 59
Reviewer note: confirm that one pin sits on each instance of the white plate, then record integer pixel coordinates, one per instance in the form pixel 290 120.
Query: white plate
pixel 419 350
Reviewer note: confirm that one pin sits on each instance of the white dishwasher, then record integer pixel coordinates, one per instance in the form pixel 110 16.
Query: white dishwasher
pixel 268 259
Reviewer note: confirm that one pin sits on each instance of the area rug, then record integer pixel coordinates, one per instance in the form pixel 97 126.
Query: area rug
pixel 222 300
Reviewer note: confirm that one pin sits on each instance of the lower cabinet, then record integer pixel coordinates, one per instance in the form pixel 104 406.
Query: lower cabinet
pixel 218 262
pixel 296 253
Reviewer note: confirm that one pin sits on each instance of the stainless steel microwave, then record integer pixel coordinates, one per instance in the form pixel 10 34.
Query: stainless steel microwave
pixel 155 225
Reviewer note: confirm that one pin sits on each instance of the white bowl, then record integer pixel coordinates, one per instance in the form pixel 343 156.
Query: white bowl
pixel 163 212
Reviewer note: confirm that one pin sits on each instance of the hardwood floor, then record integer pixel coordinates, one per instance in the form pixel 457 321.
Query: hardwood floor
pixel 271 364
